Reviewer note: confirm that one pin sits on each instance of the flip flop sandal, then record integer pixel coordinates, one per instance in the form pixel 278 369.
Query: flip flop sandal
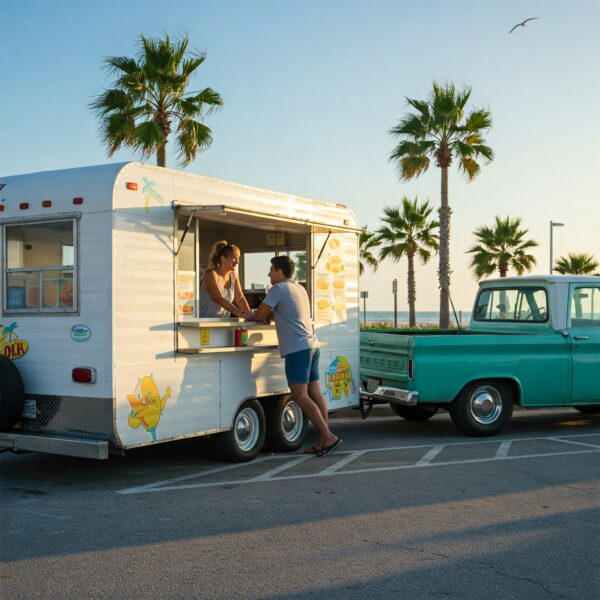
pixel 311 450
pixel 329 449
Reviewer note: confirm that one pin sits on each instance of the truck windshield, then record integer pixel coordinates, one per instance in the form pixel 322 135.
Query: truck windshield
pixel 512 304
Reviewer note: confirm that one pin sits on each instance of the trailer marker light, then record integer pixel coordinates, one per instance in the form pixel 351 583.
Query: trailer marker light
pixel 1 207
pixel 78 200
pixel 84 375
pixel 131 185
pixel 46 203
pixel 24 205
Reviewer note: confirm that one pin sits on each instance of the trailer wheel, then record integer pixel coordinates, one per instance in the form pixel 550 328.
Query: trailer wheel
pixel 413 413
pixel 589 409
pixel 247 436
pixel 12 394
pixel 286 425
pixel 482 408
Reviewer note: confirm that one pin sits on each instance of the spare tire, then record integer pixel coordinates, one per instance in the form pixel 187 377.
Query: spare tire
pixel 12 394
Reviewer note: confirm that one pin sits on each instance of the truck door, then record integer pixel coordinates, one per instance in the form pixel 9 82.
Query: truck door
pixel 584 329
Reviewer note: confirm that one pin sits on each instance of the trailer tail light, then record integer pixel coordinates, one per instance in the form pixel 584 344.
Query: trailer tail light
pixel 411 368
pixel 131 185
pixel 46 203
pixel 78 200
pixel 84 375
pixel 24 205
pixel 1 207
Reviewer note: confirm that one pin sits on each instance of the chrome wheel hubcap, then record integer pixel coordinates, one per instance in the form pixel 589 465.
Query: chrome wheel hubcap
pixel 292 420
pixel 246 429
pixel 485 405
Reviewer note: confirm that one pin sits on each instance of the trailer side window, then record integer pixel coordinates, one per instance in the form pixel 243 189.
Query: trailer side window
pixel 40 270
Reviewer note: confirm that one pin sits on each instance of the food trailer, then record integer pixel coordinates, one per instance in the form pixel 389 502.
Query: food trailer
pixel 102 348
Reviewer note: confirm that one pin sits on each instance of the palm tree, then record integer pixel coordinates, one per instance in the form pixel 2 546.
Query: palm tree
pixel 409 232
pixel 149 97
pixel 576 264
pixel 501 247
pixel 440 130
pixel 367 241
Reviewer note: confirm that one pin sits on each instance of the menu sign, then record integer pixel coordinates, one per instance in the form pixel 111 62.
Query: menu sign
pixel 336 265
pixel 186 293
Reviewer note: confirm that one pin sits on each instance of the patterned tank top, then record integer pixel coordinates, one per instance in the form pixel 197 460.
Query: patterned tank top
pixel 208 307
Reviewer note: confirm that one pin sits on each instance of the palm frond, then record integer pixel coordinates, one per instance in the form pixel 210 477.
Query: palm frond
pixel 192 137
pixel 149 95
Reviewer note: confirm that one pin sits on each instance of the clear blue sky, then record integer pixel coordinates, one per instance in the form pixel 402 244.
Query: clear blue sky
pixel 311 89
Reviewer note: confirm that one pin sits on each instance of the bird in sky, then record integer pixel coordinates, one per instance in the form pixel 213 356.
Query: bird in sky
pixel 522 24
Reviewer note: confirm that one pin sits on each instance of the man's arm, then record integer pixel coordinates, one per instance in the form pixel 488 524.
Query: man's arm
pixel 262 313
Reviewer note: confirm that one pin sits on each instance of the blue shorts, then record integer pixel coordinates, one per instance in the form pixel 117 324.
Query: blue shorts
pixel 302 366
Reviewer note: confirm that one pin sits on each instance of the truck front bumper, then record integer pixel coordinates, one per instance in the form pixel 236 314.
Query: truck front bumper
pixel 392 395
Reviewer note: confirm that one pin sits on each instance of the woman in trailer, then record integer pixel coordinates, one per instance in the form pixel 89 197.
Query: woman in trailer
pixel 220 291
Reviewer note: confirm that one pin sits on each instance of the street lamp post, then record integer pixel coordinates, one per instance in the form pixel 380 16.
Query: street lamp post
pixel 364 296
pixel 395 292
pixel 553 224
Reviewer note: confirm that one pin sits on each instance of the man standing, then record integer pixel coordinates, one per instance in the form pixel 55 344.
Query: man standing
pixel 299 347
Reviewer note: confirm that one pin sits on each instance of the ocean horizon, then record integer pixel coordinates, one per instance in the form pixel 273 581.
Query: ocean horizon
pixel 424 317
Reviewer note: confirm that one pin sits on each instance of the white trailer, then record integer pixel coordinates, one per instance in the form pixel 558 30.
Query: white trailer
pixel 101 345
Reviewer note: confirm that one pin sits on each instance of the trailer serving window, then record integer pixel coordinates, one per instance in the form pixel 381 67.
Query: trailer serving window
pixel 259 237
pixel 40 267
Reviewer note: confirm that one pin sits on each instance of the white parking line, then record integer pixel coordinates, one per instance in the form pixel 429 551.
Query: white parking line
pixel 342 463
pixel 270 474
pixel 429 456
pixel 565 441
pixel 503 449
pixel 426 461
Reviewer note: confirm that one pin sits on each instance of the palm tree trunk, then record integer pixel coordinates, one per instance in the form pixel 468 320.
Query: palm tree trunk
pixel 161 156
pixel 502 268
pixel 412 294
pixel 444 267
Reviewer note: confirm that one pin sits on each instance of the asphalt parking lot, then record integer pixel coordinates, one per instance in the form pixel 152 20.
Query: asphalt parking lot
pixel 401 510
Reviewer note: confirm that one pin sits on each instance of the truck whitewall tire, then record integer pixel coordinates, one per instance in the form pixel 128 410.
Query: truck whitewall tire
pixel 483 407
pixel 246 438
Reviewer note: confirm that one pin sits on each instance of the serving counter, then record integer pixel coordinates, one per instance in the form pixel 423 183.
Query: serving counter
pixel 212 335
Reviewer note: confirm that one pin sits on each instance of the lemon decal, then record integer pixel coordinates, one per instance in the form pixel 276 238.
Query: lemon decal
pixel 147 405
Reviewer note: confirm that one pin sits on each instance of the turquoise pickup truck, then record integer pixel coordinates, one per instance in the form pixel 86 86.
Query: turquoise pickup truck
pixel 532 341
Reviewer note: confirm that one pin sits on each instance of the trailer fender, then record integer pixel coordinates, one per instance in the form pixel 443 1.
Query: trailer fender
pixel 12 394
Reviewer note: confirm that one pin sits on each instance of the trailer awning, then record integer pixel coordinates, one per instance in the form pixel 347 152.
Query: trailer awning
pixel 256 220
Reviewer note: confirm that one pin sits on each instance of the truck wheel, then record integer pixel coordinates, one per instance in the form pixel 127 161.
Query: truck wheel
pixel 589 409
pixel 482 408
pixel 247 436
pixel 413 413
pixel 286 425
pixel 12 394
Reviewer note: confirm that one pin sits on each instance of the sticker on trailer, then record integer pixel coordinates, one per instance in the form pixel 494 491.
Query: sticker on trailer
pixel 80 333
pixel 11 345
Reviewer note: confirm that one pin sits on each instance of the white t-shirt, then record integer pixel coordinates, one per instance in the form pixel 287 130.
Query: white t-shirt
pixel 293 324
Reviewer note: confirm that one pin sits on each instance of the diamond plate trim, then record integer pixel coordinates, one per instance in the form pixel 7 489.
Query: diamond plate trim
pixel 73 416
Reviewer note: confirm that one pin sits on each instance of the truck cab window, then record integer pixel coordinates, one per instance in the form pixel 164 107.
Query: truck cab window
pixel 40 271
pixel 512 304
pixel 585 307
